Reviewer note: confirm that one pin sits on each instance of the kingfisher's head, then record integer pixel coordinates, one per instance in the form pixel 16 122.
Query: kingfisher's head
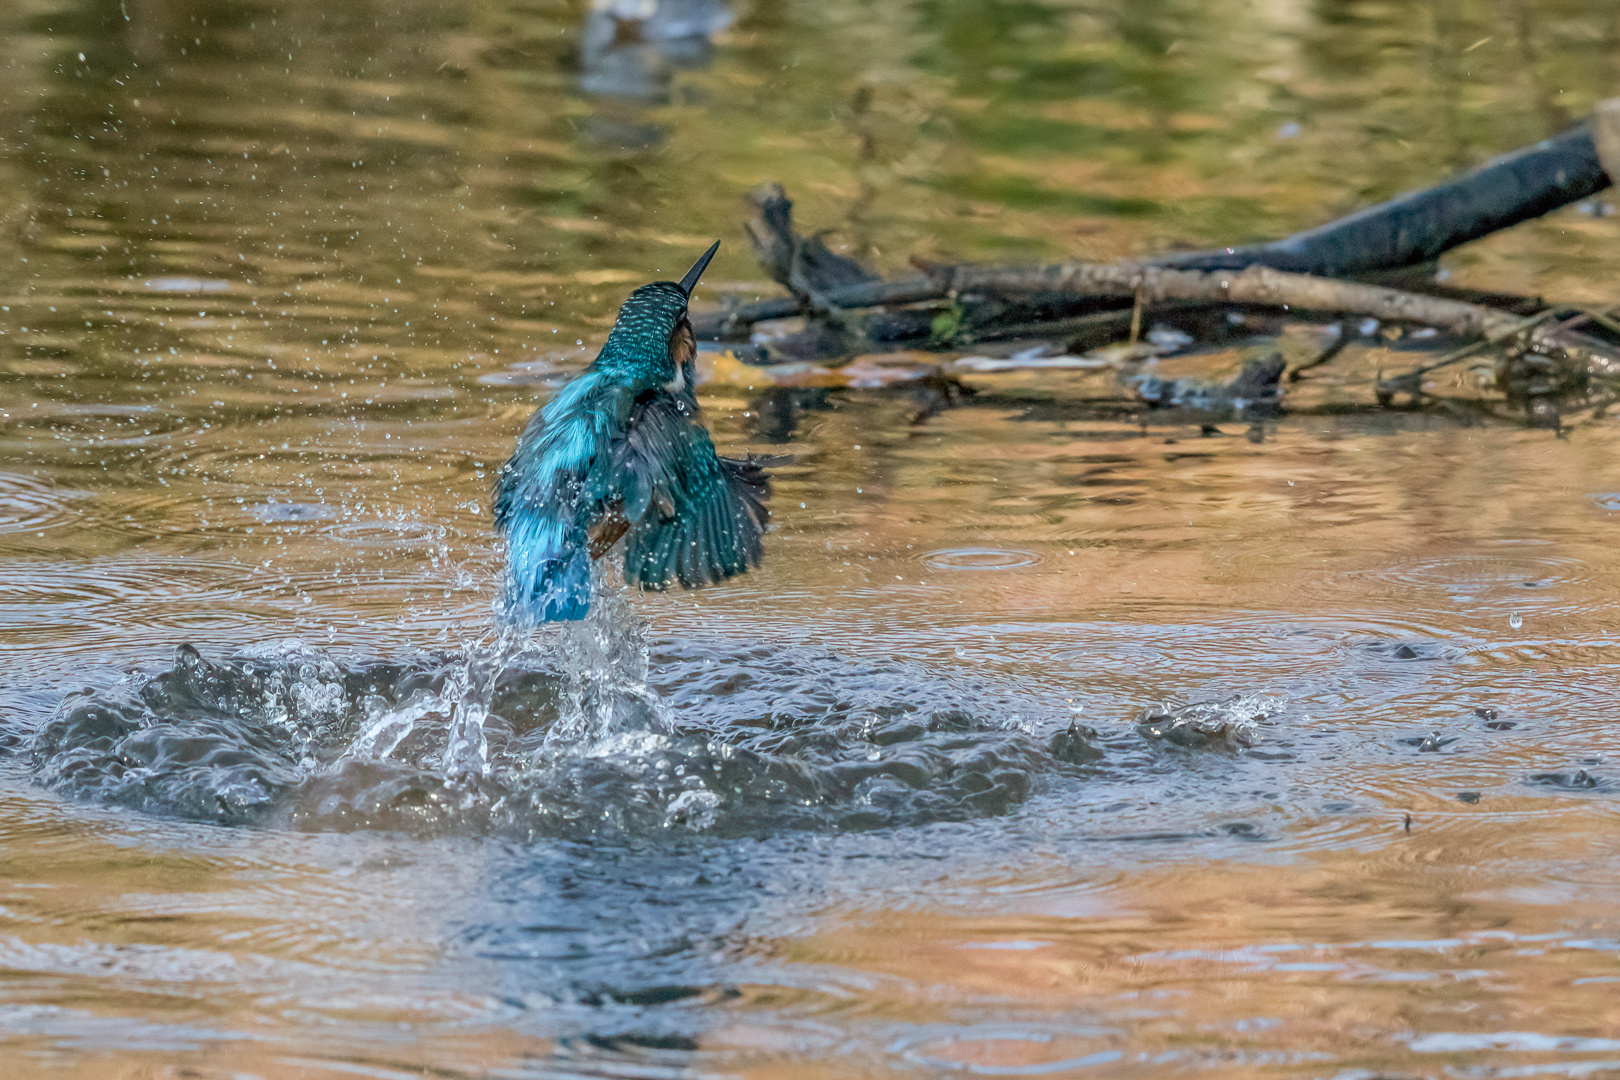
pixel 652 337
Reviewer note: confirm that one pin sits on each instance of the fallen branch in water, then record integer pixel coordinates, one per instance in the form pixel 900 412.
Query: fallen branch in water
pixel 1259 286
pixel 1540 356
pixel 1138 285
pixel 1405 231
pixel 1422 225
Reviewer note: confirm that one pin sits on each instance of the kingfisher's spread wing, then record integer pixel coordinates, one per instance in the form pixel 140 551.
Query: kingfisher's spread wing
pixel 694 517
pixel 554 499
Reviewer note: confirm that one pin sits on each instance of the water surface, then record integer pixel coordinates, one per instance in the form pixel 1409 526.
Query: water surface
pixel 924 794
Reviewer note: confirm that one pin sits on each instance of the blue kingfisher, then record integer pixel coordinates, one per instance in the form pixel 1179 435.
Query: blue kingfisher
pixel 620 452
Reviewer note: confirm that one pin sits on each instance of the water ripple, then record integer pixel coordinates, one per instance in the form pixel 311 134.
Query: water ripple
pixel 1008 1049
pixel 28 505
pixel 978 558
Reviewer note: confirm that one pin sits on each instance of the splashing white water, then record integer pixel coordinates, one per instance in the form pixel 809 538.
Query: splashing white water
pixel 603 659
pixel 470 690
pixel 605 696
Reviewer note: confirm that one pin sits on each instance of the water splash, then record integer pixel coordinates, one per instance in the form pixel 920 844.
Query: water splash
pixel 471 691
pixel 567 735
pixel 605 695
pixel 603 659
pixel 449 714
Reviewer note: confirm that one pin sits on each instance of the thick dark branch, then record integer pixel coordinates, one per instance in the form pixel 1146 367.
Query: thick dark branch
pixel 1420 225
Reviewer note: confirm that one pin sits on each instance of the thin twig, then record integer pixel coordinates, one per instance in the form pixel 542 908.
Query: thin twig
pixel 1335 347
pixel 1412 381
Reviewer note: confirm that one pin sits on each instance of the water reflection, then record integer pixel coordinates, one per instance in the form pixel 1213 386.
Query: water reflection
pixel 631 50
pixel 628 48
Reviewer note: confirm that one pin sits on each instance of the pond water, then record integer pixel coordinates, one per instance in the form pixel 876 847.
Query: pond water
pixel 1046 741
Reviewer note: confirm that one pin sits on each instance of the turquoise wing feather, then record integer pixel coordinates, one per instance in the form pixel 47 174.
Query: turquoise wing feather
pixel 694 517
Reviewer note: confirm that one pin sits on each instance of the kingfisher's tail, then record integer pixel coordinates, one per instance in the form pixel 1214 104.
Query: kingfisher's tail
pixel 548 571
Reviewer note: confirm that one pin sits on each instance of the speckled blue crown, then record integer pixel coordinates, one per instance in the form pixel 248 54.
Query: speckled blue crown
pixel 641 333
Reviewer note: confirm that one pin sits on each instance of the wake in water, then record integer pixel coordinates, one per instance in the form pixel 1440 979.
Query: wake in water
pixel 589 730
pixel 592 731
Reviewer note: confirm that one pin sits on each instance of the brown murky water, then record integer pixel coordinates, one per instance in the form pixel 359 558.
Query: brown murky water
pixel 280 282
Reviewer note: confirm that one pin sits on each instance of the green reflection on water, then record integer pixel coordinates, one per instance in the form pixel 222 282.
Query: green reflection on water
pixel 290 141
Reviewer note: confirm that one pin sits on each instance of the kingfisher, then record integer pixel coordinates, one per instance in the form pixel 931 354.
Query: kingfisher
pixel 621 453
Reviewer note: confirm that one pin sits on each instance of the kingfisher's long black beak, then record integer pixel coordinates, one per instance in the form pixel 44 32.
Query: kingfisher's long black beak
pixel 689 282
